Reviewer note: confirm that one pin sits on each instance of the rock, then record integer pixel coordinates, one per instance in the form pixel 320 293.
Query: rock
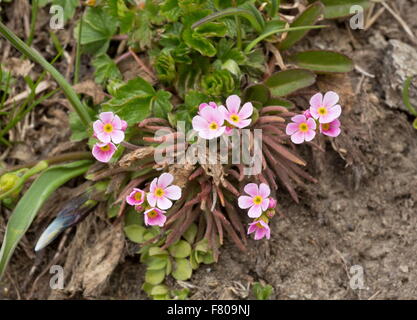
pixel 399 63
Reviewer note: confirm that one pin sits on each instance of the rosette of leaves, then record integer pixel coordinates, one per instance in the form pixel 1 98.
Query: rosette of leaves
pixel 219 83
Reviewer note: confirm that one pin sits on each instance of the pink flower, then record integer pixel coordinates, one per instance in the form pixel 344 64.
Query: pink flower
pixel 261 229
pixel 155 217
pixel 257 200
pixel 209 123
pixel 109 128
pixel 331 129
pixel 136 197
pixel 325 109
pixel 212 105
pixel 236 117
pixel 124 125
pixel 272 203
pixel 103 152
pixel 307 114
pixel 301 129
pixel 160 193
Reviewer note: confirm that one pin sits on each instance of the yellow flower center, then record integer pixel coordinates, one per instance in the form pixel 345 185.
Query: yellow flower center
pixel 322 111
pixel 152 214
pixel 325 126
pixel 138 196
pixel 213 126
pixel 257 200
pixel 105 148
pixel 259 225
pixel 303 127
pixel 235 118
pixel 159 192
pixel 108 128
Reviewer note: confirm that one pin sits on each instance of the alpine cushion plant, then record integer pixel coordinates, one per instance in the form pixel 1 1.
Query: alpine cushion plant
pixel 207 73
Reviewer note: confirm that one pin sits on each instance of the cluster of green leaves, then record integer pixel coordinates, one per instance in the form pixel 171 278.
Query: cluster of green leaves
pixel 178 260
pixel 406 99
pixel 261 292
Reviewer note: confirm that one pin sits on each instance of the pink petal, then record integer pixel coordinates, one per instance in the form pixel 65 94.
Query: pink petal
pixel 264 190
pixel 245 202
pixel 299 118
pixel 332 132
pixel 260 233
pixel 98 126
pixel 298 137
pixel 124 125
pixel 246 111
pixel 103 137
pixel 173 192
pixel 163 203
pixel 252 227
pixel 165 180
pixel 255 211
pixel 291 128
pixel 244 123
pixel 314 113
pixel 206 134
pixel 311 124
pixel 333 114
pixel 199 123
pixel 151 199
pixel 330 99
pixel 309 135
pixel 106 117
pixel 103 156
pixel 233 103
pixel 316 101
pixel 224 111
pixel 211 115
pixel 265 204
pixel 117 122
pixel 153 185
pixel 252 189
pixel 117 136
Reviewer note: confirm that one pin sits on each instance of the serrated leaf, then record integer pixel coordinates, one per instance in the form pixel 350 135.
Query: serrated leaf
pixel 135 233
pixel 199 43
pixel 308 17
pixel 212 29
pixel 286 82
pixel 155 276
pixel 161 104
pixel 180 249
pixel 132 101
pixel 322 61
pixel 182 269
pixel 341 8
pixel 105 69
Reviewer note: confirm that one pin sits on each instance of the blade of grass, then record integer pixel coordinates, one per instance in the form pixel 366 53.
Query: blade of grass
pixel 29 205
pixel 406 96
pixel 79 52
pixel 34 17
pixel 36 57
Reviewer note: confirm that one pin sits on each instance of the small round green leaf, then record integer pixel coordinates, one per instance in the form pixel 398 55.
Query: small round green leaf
pixel 182 270
pixel 135 233
pixel 181 249
pixel 157 262
pixel 155 276
pixel 159 290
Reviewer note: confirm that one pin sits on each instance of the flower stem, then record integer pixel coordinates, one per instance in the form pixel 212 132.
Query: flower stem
pixel 36 57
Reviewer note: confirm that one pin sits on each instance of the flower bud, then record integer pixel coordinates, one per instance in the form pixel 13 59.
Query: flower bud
pixel 270 213
pixel 8 181
pixel 272 203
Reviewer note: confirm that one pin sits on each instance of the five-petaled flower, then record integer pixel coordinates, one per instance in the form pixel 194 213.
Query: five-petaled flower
pixel 261 229
pixel 109 128
pixel 331 129
pixel 161 193
pixel 136 197
pixel 155 217
pixel 234 116
pixel 257 200
pixel 103 152
pixel 325 109
pixel 209 123
pixel 301 129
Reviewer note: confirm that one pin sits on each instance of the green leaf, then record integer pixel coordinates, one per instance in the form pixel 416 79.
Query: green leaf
pixel 218 83
pixel 341 8
pixel 165 66
pixel 406 98
pixel 32 201
pixel 135 233
pixel 322 61
pixel 157 251
pixel 199 43
pixel 159 290
pixel 308 17
pixel 132 101
pixel 98 28
pixel 261 292
pixel 161 104
pixel 286 82
pixel 190 234
pixel 257 92
pixel 105 69
pixel 415 124
pixel 280 102
pixel 155 276
pixel 181 249
pixel 157 262
pixel 182 270
pixel 180 294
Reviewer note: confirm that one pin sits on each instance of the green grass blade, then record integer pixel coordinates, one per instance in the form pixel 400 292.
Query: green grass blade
pixel 36 57
pixel 32 201
pixel 406 97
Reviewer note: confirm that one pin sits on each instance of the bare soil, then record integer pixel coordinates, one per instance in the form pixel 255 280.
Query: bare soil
pixel 361 213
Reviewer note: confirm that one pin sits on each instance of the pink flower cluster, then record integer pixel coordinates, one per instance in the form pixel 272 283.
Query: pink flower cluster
pixel 109 130
pixel 261 208
pixel 213 121
pixel 323 115
pixel 159 198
